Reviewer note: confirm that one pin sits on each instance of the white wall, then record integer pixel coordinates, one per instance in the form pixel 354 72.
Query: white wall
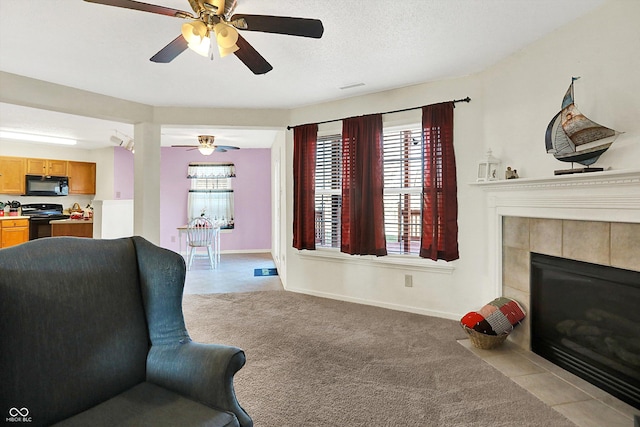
pixel 512 103
pixel 524 92
pixel 112 219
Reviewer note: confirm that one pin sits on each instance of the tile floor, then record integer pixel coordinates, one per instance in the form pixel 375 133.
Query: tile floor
pixel 578 400
pixel 581 402
pixel 234 274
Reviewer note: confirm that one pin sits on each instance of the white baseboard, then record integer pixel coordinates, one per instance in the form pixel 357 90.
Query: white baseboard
pixel 246 251
pixel 391 306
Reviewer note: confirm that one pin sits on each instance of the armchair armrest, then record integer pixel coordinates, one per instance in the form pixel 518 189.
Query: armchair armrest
pixel 203 372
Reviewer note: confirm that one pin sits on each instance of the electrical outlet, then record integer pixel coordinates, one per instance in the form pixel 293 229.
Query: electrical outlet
pixel 173 239
pixel 408 281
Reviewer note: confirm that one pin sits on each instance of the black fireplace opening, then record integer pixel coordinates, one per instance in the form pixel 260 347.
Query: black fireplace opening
pixel 585 318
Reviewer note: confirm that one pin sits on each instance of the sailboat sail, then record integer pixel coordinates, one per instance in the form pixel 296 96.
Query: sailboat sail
pixel 572 137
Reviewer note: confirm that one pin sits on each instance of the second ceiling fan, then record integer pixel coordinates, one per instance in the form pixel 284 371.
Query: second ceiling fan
pixel 214 20
pixel 206 145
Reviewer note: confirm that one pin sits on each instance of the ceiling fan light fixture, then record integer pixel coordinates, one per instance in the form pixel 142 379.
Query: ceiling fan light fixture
pixel 196 34
pixel 206 151
pixel 202 47
pixel 194 31
pixel 224 51
pixel 226 35
pixel 219 5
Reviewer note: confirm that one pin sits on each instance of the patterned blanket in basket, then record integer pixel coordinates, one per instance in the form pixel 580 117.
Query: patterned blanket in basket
pixel 495 318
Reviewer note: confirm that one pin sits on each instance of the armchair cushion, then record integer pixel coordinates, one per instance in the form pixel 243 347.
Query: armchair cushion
pixel 149 405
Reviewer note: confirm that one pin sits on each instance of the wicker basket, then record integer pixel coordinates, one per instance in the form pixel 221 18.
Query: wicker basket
pixel 484 341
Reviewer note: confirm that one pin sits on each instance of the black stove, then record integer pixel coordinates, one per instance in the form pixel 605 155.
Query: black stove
pixel 39 216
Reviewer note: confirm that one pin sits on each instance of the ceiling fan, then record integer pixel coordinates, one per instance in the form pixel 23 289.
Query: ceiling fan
pixel 207 145
pixel 214 19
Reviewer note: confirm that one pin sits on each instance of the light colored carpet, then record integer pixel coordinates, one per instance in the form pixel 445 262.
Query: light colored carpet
pixel 319 362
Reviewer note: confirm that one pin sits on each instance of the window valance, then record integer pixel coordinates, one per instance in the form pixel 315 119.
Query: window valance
pixel 211 170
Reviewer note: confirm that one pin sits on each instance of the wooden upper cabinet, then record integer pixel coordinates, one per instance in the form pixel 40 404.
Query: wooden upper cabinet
pixel 12 175
pixel 82 177
pixel 46 167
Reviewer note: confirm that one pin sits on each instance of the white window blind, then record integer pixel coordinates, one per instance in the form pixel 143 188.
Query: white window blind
pixel 328 196
pixel 403 171
pixel 403 177
pixel 211 192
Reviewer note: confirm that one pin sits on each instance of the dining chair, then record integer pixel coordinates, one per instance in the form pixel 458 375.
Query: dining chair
pixel 200 234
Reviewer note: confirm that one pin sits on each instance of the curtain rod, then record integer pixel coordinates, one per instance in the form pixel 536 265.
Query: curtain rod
pixel 455 101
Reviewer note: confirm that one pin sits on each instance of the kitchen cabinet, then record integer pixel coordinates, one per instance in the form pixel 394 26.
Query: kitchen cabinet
pixel 82 177
pixel 12 175
pixel 13 231
pixel 46 167
pixel 72 227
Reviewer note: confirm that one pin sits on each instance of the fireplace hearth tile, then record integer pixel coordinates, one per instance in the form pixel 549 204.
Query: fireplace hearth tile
pixel 551 389
pixel 600 409
pixel 514 365
pixel 593 413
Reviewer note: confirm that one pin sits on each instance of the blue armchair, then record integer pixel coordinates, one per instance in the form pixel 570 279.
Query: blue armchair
pixel 93 334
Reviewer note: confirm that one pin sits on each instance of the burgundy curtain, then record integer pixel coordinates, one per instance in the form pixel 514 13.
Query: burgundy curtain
pixel 362 215
pixel 440 201
pixel 304 171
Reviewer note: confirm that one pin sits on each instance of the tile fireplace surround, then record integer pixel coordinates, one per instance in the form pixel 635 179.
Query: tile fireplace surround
pixel 592 217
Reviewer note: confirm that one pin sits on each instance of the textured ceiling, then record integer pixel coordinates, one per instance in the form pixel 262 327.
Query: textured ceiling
pixel 380 44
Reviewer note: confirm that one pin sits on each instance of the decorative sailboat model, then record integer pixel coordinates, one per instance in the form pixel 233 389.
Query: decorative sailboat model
pixel 572 137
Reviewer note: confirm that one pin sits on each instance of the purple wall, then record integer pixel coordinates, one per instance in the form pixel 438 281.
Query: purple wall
pixel 252 194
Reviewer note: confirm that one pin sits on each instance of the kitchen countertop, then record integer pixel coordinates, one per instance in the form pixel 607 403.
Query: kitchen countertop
pixel 2 218
pixel 71 221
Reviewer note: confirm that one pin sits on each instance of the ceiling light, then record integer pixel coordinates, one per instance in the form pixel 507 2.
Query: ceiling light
pixel 226 37
pixel 205 150
pixel 196 34
pixel 130 145
pixel 116 140
pixel 37 138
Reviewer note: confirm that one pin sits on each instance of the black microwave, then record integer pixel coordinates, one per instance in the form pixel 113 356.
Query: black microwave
pixel 46 185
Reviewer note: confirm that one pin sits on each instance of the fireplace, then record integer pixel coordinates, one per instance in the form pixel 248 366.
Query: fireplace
pixel 585 318
pixel 593 218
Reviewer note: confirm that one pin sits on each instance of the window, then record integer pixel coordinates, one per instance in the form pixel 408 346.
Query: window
pixel 328 191
pixel 211 193
pixel 403 174
pixel 403 177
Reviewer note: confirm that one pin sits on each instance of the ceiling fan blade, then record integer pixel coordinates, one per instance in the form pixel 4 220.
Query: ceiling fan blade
pixel 185 146
pixel 251 58
pixel 220 149
pixel 302 27
pixel 170 51
pixel 145 7
pixel 226 147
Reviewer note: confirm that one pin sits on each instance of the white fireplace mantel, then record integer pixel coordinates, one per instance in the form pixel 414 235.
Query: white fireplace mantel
pixel 611 196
